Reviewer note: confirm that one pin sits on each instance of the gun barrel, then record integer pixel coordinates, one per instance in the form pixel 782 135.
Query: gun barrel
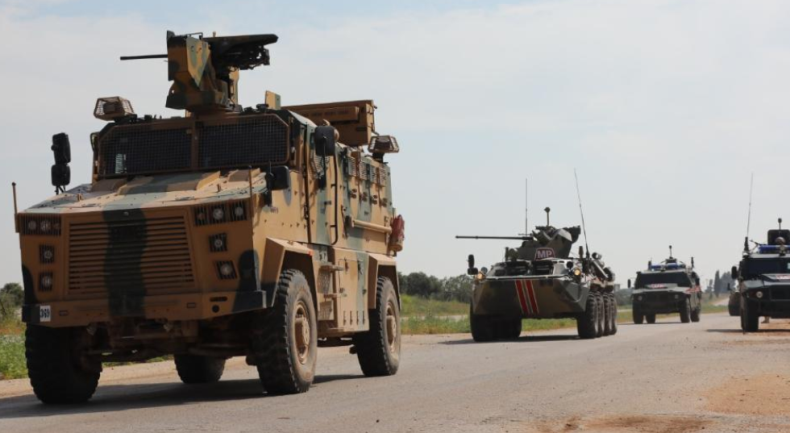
pixel 512 238
pixel 147 56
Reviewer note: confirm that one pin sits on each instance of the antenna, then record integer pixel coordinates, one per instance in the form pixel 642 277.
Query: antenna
pixel 581 211
pixel 780 224
pixel 548 211
pixel 526 207
pixel 670 251
pixel 749 218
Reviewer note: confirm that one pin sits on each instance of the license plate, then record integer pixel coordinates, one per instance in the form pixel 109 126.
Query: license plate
pixel 44 313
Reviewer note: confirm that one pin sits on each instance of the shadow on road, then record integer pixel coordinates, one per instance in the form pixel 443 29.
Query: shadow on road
pixel 762 331
pixel 112 398
pixel 522 339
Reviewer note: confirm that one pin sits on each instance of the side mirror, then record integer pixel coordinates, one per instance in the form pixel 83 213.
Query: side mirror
pixel 484 270
pixel 279 178
pixel 471 270
pixel 734 273
pixel 629 283
pixel 324 140
pixel 61 173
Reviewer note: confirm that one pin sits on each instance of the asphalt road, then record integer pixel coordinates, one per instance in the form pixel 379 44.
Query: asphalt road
pixel 667 377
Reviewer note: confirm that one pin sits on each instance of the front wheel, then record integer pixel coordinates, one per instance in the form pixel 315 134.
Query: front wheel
pixel 639 318
pixel 378 350
pixel 483 329
pixel 285 342
pixel 695 314
pixel 685 311
pixel 509 329
pixel 613 303
pixel 651 318
pixel 57 373
pixel 586 322
pixel 750 319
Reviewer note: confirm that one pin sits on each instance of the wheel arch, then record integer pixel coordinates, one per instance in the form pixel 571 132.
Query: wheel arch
pixel 381 266
pixel 281 255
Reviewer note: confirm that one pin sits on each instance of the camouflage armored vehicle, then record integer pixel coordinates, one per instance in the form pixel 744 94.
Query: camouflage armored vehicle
pixel 542 280
pixel 763 279
pixel 261 232
pixel 667 288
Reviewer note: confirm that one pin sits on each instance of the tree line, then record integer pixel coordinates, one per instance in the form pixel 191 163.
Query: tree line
pixel 11 298
pixel 458 288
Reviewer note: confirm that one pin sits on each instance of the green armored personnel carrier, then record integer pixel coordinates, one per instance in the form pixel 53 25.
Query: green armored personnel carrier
pixel 667 288
pixel 763 280
pixel 542 280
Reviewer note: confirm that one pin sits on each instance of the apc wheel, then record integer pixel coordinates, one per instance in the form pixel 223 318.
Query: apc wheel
pixel 695 314
pixel 750 319
pixel 601 324
pixel 378 349
pixel 509 329
pixel 483 329
pixel 55 369
pixel 193 369
pixel 607 315
pixel 639 318
pixel 285 340
pixel 685 311
pixel 586 323
pixel 651 318
pixel 613 317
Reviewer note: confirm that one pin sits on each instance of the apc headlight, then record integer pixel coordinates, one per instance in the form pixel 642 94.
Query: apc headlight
pixel 576 272
pixel 479 276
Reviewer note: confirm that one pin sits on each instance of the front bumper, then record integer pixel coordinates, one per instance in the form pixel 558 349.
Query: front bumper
pixel 540 298
pixel 181 307
pixel 658 302
pixel 775 301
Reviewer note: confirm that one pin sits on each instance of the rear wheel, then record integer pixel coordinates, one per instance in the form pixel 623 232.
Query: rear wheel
pixel 613 303
pixel 378 349
pixel 651 318
pixel 482 327
pixel 750 319
pixel 193 369
pixel 57 372
pixel 685 311
pixel 285 340
pixel 695 314
pixel 587 321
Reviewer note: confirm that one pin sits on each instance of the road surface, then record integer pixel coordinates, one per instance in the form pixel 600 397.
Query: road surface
pixel 667 377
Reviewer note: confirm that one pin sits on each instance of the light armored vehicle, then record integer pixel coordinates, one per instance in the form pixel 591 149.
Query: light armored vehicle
pixel 763 280
pixel 261 232
pixel 667 288
pixel 541 280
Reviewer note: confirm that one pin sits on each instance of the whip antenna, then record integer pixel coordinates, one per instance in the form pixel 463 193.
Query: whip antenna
pixel 581 211
pixel 749 218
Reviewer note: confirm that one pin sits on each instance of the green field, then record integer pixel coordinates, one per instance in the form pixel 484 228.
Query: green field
pixel 12 349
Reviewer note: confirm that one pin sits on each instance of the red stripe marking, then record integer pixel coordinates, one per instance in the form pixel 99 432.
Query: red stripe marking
pixel 532 299
pixel 521 297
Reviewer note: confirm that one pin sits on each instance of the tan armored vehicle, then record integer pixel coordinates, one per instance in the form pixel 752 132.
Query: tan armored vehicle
pixel 262 232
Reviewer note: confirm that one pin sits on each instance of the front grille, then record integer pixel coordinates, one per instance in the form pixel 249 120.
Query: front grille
pixel 150 254
pixel 780 293
pixel 659 297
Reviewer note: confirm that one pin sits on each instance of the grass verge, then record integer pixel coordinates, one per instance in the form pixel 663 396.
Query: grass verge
pixel 448 325
pixel 416 306
pixel 12 349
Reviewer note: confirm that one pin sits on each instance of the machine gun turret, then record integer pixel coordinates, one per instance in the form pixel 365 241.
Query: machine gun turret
pixel 205 71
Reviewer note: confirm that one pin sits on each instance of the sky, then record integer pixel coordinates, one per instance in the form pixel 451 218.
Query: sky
pixel 663 107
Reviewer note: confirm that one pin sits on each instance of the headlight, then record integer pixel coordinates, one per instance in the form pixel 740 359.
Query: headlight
pixel 218 214
pixel 576 272
pixel 46 282
pixel 759 294
pixel 639 298
pixel 32 225
pixel 226 270
pixel 479 276
pixel 46 226
pixel 239 211
pixel 677 296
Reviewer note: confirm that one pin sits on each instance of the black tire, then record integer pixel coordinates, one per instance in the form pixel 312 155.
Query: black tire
pixel 285 337
pixel 639 318
pixel 378 349
pixel 685 311
pixel 650 318
pixel 193 369
pixel 607 315
pixel 750 319
pixel 509 329
pixel 586 322
pixel 695 315
pixel 613 303
pixel 56 372
pixel 601 315
pixel 483 329
pixel 734 304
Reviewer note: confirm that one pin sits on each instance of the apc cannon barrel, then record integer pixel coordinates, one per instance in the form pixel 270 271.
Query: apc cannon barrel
pixel 147 56
pixel 512 238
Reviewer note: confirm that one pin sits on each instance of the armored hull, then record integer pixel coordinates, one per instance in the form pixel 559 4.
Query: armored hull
pixel 530 297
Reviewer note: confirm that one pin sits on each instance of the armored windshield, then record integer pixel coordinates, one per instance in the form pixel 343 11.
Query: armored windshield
pixel 757 267
pixel 646 279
